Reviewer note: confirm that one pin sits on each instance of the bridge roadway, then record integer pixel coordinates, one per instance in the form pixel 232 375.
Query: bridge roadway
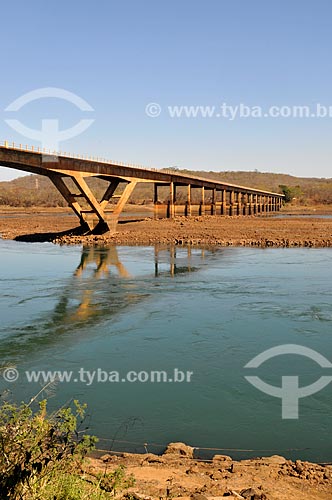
pixel 102 215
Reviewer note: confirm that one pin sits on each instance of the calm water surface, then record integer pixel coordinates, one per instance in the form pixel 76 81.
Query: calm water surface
pixel 207 311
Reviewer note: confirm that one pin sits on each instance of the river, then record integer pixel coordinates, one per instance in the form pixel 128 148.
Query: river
pixel 203 311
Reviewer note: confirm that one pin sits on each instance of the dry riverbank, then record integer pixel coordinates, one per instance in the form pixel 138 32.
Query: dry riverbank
pixel 291 230
pixel 176 474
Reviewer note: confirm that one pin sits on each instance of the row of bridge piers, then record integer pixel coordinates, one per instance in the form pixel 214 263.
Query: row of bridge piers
pixel 207 201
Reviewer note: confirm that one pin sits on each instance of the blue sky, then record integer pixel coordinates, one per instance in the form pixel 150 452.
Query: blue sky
pixel 120 56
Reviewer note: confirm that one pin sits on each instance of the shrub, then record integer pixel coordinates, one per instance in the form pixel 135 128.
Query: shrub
pixel 35 447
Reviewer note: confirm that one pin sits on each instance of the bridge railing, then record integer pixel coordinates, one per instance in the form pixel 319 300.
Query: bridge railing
pixel 49 152
pixel 44 151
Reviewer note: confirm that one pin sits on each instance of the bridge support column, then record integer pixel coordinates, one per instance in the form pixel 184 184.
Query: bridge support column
pixel 170 207
pixel 69 197
pixel 255 204
pixel 155 198
pixel 188 204
pixel 213 202
pixel 202 204
pixel 250 204
pixel 263 204
pixel 224 202
pixel 231 205
pixel 124 198
pixel 94 219
pixel 109 193
pixel 245 204
pixel 88 195
pixel 239 203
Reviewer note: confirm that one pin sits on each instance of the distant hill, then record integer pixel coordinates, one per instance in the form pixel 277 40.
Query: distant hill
pixel 35 190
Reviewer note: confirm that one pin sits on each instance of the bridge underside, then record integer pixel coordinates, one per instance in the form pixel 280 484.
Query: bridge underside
pixel 70 175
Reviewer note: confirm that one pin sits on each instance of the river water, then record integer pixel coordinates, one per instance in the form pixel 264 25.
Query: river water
pixel 207 311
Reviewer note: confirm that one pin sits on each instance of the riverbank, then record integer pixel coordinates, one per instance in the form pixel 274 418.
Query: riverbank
pixel 176 474
pixel 308 228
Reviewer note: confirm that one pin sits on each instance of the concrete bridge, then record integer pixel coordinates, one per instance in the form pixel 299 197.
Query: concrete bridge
pixel 215 197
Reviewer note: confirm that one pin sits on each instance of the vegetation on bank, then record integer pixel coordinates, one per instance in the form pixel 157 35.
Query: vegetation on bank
pixel 34 190
pixel 42 454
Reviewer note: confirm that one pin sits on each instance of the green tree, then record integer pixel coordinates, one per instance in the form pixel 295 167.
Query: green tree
pixel 290 192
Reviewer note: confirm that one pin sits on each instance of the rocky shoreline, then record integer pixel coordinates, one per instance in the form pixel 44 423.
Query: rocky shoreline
pixel 177 474
pixel 212 231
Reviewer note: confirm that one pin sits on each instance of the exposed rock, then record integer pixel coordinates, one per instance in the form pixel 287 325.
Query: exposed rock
pixel 198 496
pixel 221 458
pixel 180 449
pixel 252 494
pixel 274 459
pixel 216 476
pixel 136 496
pixel 194 470
pixel 252 479
pixel 151 458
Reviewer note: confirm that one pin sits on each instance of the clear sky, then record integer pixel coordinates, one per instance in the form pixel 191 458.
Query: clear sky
pixel 122 55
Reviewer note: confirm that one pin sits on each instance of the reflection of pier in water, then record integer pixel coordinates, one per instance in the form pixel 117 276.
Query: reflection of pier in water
pixel 101 287
pixel 102 259
pixel 174 267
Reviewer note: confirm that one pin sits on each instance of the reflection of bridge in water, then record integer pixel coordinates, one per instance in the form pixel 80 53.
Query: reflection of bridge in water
pixel 69 174
pixel 101 287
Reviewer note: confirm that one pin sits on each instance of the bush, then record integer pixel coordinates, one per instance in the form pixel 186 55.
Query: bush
pixel 41 456
pixel 34 447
